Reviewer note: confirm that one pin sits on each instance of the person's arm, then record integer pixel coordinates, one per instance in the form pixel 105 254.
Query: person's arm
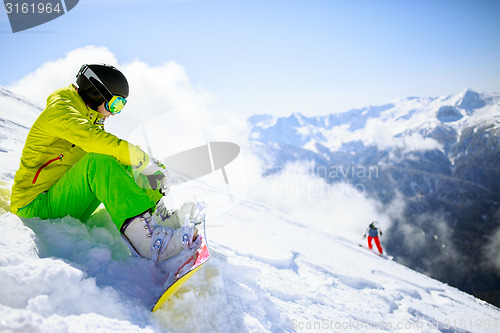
pixel 69 124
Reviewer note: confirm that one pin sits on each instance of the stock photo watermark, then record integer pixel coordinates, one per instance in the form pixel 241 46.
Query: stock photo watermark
pixel 26 14
pixel 343 180
pixel 486 325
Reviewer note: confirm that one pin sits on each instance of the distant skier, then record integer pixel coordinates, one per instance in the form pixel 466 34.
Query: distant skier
pixel 70 165
pixel 373 231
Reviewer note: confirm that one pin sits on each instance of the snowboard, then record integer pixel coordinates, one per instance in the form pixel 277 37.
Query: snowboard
pixel 183 266
pixel 381 255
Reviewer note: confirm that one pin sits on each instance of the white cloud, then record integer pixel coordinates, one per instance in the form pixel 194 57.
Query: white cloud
pixel 492 247
pixel 154 91
pixel 417 142
pixel 60 73
pixel 385 134
pixel 378 132
pixel 339 209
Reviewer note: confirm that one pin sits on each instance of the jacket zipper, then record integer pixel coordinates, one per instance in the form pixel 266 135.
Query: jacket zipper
pixel 45 165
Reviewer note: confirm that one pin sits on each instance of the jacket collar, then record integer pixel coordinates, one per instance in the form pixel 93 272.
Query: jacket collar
pixel 93 115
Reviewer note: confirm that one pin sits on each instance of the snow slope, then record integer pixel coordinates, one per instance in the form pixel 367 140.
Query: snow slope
pixel 268 273
pixel 17 117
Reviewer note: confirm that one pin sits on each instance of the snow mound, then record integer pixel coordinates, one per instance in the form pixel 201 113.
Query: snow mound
pixel 64 275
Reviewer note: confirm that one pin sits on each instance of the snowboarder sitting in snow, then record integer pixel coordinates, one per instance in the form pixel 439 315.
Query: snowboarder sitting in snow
pixel 70 165
pixel 373 231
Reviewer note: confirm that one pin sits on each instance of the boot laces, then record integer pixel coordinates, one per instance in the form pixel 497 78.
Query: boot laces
pixel 148 220
pixel 163 211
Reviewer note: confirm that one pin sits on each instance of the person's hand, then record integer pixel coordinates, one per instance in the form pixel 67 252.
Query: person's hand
pixel 158 176
pixel 163 183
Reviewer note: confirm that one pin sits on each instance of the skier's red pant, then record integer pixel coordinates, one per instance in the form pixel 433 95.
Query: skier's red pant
pixel 377 242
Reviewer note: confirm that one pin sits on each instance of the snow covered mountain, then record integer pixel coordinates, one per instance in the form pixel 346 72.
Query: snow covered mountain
pixel 17 116
pixel 268 273
pixel 438 157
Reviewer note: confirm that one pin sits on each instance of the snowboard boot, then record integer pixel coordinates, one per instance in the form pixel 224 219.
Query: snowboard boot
pixel 156 242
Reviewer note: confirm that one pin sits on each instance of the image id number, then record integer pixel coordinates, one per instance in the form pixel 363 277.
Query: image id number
pixel 32 8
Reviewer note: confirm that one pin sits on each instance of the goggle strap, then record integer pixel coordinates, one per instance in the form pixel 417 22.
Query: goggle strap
pixel 96 82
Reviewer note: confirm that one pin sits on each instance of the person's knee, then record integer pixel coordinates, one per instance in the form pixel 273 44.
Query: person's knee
pixel 102 159
pixel 102 164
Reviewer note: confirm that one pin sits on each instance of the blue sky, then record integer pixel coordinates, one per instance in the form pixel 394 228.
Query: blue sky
pixel 279 57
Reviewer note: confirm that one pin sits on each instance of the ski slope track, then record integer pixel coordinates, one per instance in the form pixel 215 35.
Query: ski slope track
pixel 268 273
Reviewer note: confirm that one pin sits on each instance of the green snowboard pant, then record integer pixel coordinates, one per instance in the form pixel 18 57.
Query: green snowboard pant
pixel 93 180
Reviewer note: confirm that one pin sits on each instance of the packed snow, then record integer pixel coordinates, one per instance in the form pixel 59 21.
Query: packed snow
pixel 268 272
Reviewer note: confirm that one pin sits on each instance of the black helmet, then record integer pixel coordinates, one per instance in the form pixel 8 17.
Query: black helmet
pixel 99 83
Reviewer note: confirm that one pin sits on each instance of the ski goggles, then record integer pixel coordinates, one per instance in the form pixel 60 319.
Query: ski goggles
pixel 114 103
